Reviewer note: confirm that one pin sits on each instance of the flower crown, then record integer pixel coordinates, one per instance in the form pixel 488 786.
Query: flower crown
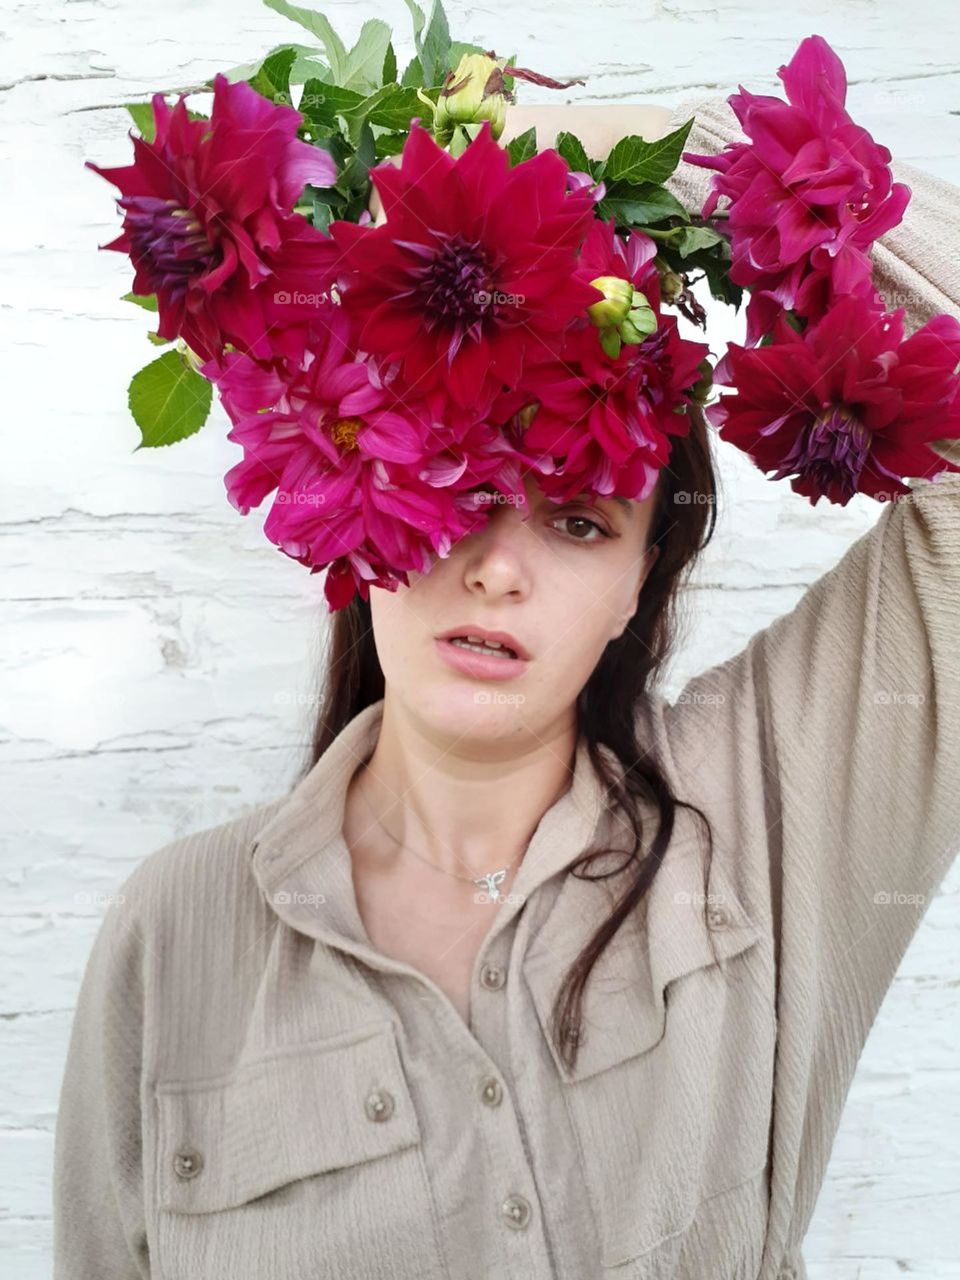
pixel 390 381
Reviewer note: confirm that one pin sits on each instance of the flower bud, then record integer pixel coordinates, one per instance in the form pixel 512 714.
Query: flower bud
pixel 617 300
pixel 623 316
pixel 193 360
pixel 700 391
pixel 474 92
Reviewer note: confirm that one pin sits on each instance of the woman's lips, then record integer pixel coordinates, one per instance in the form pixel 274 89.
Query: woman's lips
pixel 477 665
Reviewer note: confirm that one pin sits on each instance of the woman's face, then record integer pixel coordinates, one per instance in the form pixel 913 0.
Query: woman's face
pixel 562 580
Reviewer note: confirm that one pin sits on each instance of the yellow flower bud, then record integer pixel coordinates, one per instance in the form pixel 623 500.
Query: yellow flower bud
pixel 472 93
pixel 624 315
pixel 616 303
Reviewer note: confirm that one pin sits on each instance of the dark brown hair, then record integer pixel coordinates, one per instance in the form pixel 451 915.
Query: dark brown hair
pixel 351 679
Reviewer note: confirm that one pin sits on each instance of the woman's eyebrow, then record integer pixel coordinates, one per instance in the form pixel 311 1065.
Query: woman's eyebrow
pixel 624 502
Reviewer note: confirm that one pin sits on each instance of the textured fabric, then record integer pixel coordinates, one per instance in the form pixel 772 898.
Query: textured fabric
pixel 252 1090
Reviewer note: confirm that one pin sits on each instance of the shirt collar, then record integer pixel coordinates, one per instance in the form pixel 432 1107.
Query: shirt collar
pixel 302 863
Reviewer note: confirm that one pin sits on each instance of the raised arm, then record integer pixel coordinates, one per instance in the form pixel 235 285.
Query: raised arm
pixel 827 752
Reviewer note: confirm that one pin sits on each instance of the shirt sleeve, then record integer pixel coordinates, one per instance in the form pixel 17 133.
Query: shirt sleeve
pixel 98 1207
pixel 826 753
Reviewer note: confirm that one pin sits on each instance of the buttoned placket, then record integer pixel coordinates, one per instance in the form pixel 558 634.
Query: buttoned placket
pixel 488 1094
pixel 289 858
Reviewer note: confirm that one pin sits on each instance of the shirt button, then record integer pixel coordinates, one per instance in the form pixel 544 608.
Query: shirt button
pixel 491 1091
pixel 379 1105
pixel 717 918
pixel 492 976
pixel 187 1163
pixel 516 1210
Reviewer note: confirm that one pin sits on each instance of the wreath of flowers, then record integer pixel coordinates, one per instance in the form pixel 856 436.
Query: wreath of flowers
pixel 515 311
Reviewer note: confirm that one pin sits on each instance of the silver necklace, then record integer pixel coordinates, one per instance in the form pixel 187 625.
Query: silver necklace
pixel 491 881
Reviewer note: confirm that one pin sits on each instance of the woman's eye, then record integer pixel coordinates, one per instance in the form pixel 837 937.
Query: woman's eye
pixel 583 520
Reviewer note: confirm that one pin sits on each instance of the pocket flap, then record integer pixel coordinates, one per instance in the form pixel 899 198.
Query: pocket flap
pixel 677 930
pixel 297 1112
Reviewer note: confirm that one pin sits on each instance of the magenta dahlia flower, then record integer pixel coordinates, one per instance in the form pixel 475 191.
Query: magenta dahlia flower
pixel 473 270
pixel 602 424
pixel 808 179
pixel 846 406
pixel 369 482
pixel 209 227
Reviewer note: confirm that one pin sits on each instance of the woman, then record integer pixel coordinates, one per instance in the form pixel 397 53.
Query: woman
pixel 401 1023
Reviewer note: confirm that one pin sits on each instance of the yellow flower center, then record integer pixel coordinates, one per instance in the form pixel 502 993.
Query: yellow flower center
pixel 343 433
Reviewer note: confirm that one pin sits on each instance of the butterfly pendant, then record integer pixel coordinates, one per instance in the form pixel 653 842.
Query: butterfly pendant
pixel 490 882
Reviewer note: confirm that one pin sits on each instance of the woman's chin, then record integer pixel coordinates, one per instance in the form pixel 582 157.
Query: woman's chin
pixel 462 712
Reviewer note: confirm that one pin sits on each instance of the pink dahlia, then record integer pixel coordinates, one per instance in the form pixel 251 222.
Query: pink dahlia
pixel 473 269
pixel 603 424
pixel 209 227
pixel 846 406
pixel 369 482
pixel 808 179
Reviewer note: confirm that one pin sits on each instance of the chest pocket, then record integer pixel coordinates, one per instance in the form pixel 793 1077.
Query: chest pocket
pixel 670 1098
pixel 305 1162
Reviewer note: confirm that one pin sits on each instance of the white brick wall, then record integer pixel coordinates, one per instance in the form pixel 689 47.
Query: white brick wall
pixel 161 652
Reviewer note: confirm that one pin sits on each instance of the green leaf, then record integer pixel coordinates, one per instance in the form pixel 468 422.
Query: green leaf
pixel 353 180
pixel 693 238
pixel 389 108
pixel 571 149
pixel 157 340
pixel 169 401
pixel 686 240
pixel 142 115
pixel 633 160
pixel 389 144
pixel 412 77
pixel 305 65
pixel 523 146
pixel 458 48
pixel 432 44
pixel 272 80
pixel 389 73
pixel 321 103
pixel 364 67
pixel 418 19
pixel 715 265
pixel 396 107
pixel 323 214
pixel 319 26
pixel 639 205
pixel 148 301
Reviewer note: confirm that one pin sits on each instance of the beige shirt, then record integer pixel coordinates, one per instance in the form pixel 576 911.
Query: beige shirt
pixel 253 1090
